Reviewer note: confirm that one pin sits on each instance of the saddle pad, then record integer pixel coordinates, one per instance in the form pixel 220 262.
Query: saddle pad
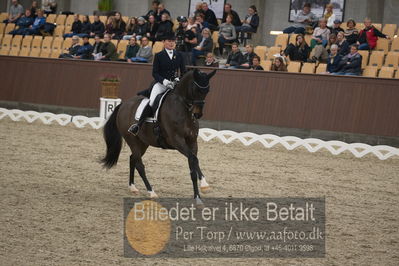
pixel 144 102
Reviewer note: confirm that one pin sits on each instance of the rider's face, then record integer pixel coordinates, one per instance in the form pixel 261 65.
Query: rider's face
pixel 169 44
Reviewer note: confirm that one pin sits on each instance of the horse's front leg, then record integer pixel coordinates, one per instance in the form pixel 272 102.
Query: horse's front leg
pixel 204 186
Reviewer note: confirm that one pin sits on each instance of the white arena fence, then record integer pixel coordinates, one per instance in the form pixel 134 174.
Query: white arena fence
pixel 359 150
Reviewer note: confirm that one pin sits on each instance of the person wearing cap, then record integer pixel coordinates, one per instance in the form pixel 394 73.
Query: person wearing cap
pixel 336 27
pixel 165 70
pixel 84 51
pixel 73 50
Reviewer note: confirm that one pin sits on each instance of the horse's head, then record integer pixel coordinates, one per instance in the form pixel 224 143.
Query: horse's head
pixel 197 91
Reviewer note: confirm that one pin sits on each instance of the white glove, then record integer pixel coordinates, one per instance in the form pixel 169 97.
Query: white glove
pixel 177 80
pixel 167 83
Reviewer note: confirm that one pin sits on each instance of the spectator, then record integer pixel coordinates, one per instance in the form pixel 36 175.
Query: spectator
pixel 118 27
pixel 34 7
pixel 248 56
pixel 298 51
pixel 14 12
pixel 334 60
pixel 337 27
pixel 343 46
pixel 200 23
pixel 320 53
pixel 369 35
pixel 329 15
pixel 191 23
pixel 85 51
pixel 141 29
pixel 108 49
pixel 256 63
pixel 279 64
pixel 49 6
pixel 235 18
pixel 73 50
pixel 320 34
pixel 351 33
pixel 205 45
pixel 131 49
pixel 198 9
pixel 76 27
pixel 210 60
pixel 33 29
pixel 109 25
pixel 227 33
pixel 209 16
pixel 23 23
pixel 250 23
pixel 235 58
pixel 186 39
pixel 351 64
pixel 153 11
pixel 131 28
pixel 302 20
pixel 144 55
pixel 98 44
pixel 165 27
pixel 86 27
pixel 152 28
pixel 161 10
pixel 97 28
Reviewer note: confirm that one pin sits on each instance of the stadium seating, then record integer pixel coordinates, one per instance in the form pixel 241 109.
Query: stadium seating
pixel 3 16
pixel 308 38
pixel 2 28
pixel 51 18
pixel 378 26
pixel 395 45
pixel 386 72
pixel 103 19
pixel 121 49
pixel 382 45
pixel 24 52
pixel 91 19
pixel 215 36
pixel 266 64
pixel 392 60
pixel 281 41
pixel 6 44
pixel 389 29
pixel 308 68
pixel 27 41
pixel 294 67
pixel 365 57
pixel 69 20
pixel 321 68
pixel 272 51
pixel 158 46
pixel 292 38
pixel 397 74
pixel 125 19
pixel 370 71
pixel 376 59
pixel 261 51
pixel 59 31
pixel 9 27
pixel 61 20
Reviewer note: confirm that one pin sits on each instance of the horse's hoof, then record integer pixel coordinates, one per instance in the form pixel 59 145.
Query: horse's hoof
pixel 153 195
pixel 200 204
pixel 204 186
pixel 205 189
pixel 133 189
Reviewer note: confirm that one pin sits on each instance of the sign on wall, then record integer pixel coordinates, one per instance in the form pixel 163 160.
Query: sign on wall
pixel 318 8
pixel 217 6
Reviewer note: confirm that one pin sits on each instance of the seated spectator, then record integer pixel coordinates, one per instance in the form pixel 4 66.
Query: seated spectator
pixel 343 46
pixel 209 16
pixel 76 27
pixel 109 24
pixel 369 35
pixel 334 60
pixel 235 58
pixel 141 29
pixel 85 51
pixel 153 11
pixel 320 53
pixel 130 28
pixel 73 50
pixel 131 49
pixel 191 23
pixel 279 64
pixel 205 45
pixel 118 28
pixel 235 18
pixel 34 29
pixel 97 28
pixel 198 10
pixel 108 50
pixel 14 12
pixel 256 63
pixel 98 44
pixel 227 33
pixel 144 55
pixel 298 51
pixel 329 15
pixel 250 23
pixel 200 23
pixel 161 10
pixel 165 27
pixel 351 64
pixel 320 34
pixel 86 27
pixel 210 60
pixel 248 56
pixel 49 6
pixel 34 7
pixel 303 19
pixel 351 33
pixel 152 28
pixel 337 27
pixel 23 23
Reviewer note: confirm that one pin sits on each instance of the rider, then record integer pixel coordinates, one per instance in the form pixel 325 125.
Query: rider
pixel 166 66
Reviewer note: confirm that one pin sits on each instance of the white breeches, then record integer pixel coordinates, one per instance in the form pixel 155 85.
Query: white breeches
pixel 156 90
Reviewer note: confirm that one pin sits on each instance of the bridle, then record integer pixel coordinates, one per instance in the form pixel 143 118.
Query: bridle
pixel 191 102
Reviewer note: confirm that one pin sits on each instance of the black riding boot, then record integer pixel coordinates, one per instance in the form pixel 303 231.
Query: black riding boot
pixel 134 129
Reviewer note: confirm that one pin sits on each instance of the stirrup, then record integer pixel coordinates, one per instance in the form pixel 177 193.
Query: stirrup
pixel 134 129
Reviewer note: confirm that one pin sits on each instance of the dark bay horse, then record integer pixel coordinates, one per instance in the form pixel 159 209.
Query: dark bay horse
pixel 177 121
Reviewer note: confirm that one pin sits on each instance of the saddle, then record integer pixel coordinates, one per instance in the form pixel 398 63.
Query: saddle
pixel 155 109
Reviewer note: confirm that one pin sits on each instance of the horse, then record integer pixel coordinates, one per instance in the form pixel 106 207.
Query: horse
pixel 177 121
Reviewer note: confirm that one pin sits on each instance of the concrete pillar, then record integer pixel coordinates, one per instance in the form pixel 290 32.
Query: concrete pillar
pixel 375 10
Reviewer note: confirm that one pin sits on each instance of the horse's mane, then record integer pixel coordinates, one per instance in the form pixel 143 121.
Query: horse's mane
pixel 181 88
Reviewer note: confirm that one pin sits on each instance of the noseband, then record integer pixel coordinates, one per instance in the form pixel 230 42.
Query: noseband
pixel 200 103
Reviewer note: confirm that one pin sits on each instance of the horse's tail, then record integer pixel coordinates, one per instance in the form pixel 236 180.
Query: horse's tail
pixel 113 139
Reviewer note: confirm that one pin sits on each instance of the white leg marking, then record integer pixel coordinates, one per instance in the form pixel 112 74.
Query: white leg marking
pixel 153 195
pixel 133 189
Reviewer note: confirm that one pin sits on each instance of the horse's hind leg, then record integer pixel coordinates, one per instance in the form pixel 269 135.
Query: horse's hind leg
pixel 141 169
pixel 133 161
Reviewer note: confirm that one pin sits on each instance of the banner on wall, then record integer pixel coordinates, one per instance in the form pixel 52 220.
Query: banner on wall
pixel 217 6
